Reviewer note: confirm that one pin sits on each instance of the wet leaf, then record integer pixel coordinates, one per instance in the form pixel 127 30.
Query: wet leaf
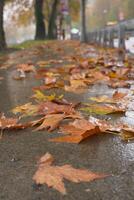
pixel 27 109
pixel 54 108
pixel 117 96
pixel 40 96
pixel 119 84
pixel 127 134
pixel 43 63
pixel 7 122
pixel 101 99
pixel 50 80
pixel 26 68
pixel 77 131
pixel 51 122
pixel 11 123
pixel 53 175
pixel 102 109
pixel 1 78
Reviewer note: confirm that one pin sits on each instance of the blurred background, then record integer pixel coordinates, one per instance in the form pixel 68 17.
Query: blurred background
pixel 20 25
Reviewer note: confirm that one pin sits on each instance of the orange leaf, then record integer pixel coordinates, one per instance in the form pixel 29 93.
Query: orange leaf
pixel 26 67
pixel 51 122
pixel 53 175
pixel 53 108
pixel 77 131
pixel 118 95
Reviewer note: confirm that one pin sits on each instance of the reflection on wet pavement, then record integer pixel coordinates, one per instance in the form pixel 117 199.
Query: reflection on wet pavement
pixel 102 153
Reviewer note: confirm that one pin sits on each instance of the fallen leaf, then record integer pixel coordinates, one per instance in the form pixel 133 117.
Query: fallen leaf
pixel 118 95
pixel 40 96
pixel 101 99
pixel 77 131
pixel 102 109
pixel 51 122
pixel 1 78
pixel 26 68
pixel 43 63
pixel 11 123
pixel 7 123
pixel 54 108
pixel 105 99
pixel 27 109
pixel 53 175
pixel 127 134
pixel 50 80
pixel 119 84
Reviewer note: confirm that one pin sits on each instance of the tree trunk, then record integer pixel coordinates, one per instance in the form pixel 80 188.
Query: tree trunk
pixel 39 17
pixel 2 33
pixel 52 21
pixel 83 21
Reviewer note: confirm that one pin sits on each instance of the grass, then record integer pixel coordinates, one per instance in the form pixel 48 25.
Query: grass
pixel 24 45
pixel 28 44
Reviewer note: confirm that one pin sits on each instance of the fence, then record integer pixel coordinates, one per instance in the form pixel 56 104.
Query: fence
pixel 105 37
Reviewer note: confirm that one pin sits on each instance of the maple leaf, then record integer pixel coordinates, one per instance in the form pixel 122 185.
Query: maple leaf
pixel 127 133
pixel 102 109
pixel 42 97
pixel 52 121
pixel 27 109
pixel 7 123
pixel 99 76
pixel 101 99
pixel 117 96
pixel 10 123
pixel 76 86
pixel 26 68
pixel 77 131
pixel 50 80
pixel 43 63
pixel 53 108
pixel 119 84
pixel 53 175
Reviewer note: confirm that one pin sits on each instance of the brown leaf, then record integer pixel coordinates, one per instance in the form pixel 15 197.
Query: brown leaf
pixel 127 133
pixel 102 109
pixel 51 122
pixel 50 80
pixel 53 108
pixel 11 123
pixel 26 67
pixel 7 123
pixel 119 84
pixel 118 95
pixel 1 78
pixel 115 98
pixel 53 175
pixel 77 131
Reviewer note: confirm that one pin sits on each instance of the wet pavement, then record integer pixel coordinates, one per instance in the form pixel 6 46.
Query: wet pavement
pixel 20 151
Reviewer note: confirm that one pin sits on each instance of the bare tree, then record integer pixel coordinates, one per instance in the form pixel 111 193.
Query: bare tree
pixel 52 20
pixel 2 33
pixel 83 20
pixel 39 17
